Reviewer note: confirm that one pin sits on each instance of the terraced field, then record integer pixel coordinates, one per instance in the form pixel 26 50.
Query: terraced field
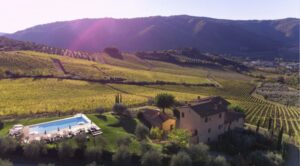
pixel 23 96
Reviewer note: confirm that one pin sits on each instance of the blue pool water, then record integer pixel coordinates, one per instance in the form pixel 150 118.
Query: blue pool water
pixel 54 125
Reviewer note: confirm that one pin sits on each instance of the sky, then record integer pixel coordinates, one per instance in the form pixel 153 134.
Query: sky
pixel 20 14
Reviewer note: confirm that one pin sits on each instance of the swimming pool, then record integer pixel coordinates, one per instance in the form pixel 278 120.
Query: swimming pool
pixel 58 124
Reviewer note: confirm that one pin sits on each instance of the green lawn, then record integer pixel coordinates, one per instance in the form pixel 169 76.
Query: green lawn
pixel 113 128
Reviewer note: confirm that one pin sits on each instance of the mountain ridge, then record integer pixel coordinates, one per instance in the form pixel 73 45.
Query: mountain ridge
pixel 267 39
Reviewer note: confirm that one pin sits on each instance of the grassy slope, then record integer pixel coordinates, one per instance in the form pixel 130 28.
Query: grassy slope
pixel 26 95
pixel 112 126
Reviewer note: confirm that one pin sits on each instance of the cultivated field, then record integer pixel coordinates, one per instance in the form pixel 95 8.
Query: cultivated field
pixel 26 95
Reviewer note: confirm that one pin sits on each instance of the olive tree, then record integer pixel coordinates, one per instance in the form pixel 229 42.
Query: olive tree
pixel 65 150
pixel 181 159
pixel 151 158
pixel 93 153
pixel 141 132
pixel 199 154
pixel 219 161
pixel 122 157
pixel 34 150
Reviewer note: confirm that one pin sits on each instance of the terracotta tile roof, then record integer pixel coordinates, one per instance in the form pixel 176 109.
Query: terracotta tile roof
pixel 154 117
pixel 206 106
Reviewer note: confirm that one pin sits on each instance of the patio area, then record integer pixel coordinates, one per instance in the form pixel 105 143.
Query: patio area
pixel 55 130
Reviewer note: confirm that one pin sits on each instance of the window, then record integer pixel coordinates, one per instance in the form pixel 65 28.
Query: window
pixel 196 132
pixel 209 130
pixel 206 119
pixel 220 115
pixel 182 115
pixel 208 139
pixel 220 126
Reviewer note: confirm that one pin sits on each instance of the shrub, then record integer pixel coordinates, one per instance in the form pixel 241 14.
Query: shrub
pixel 5 163
pixel 1 125
pixel 180 137
pixel 151 158
pixel 126 141
pixel 119 109
pixel 93 153
pixel 265 158
pixel 81 140
pixel 141 132
pixel 49 164
pixel 92 164
pixel 122 156
pixel 65 151
pixel 171 148
pixel 145 147
pixel 7 145
pixel 34 150
pixel 181 159
pixel 156 133
pixel 199 154
pixel 218 161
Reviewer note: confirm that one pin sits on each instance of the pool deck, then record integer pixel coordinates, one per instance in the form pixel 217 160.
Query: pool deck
pixel 62 133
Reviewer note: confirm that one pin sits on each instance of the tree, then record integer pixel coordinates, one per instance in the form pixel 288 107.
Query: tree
pixel 118 98
pixel 236 108
pixel 119 109
pixel 151 158
pixel 93 153
pixel 281 79
pixel 199 154
pixel 270 123
pixel 125 141
pixel 34 149
pixel 181 159
pixel 81 140
pixel 141 132
pixel 7 145
pixel 65 150
pixel 156 133
pixel 145 147
pixel 49 164
pixel 180 137
pixel 122 157
pixel 279 139
pixel 5 163
pixel 164 100
pixel 113 52
pixel 219 161
pixel 92 164
pixel 1 125
pixel 265 158
pixel 257 126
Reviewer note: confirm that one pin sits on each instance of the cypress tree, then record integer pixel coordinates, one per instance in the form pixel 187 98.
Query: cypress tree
pixel 279 140
pixel 270 123
pixel 257 126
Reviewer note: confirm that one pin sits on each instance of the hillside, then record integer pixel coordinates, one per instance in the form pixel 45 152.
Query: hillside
pixel 35 82
pixel 258 39
pixel 2 34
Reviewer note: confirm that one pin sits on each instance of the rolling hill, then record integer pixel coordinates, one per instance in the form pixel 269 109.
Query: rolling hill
pixel 265 39
pixel 34 82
